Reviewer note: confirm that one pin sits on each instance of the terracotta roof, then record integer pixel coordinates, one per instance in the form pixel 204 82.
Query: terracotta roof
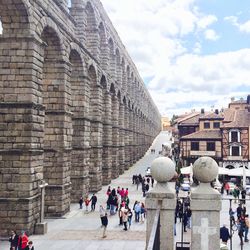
pixel 184 117
pixel 194 120
pixel 241 120
pixel 204 134
pixel 229 115
pixel 212 116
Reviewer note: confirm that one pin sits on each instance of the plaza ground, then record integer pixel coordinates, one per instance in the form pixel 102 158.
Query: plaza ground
pixel 81 230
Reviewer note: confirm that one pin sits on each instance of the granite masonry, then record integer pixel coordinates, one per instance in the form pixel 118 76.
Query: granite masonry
pixel 74 112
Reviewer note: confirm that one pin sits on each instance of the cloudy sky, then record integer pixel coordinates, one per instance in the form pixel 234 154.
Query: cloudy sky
pixel 192 54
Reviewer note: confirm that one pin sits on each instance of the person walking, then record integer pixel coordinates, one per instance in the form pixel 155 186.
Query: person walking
pixel 189 214
pixel 86 201
pixel 80 202
pixel 13 239
pixel 23 241
pixel 243 196
pixel 102 213
pixel 224 234
pixel 130 215
pixel 125 218
pixel 93 200
pixel 30 246
pixel 104 224
pixel 227 187
pixel 137 209
pixel 247 224
pixel 241 229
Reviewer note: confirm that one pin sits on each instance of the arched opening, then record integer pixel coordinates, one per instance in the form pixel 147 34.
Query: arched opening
pixel 111 58
pixel 103 46
pixel 230 167
pixel 78 108
pixel 118 70
pixel 93 39
pixel 96 130
pixel 56 165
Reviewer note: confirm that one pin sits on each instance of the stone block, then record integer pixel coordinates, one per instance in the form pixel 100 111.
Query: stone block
pixel 41 228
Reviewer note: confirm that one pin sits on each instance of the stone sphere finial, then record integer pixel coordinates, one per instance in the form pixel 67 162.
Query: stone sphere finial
pixel 163 169
pixel 205 169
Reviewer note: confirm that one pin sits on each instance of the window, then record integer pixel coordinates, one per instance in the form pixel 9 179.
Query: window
pixel 210 146
pixel 235 151
pixel 195 146
pixel 206 125
pixel 234 136
pixel 216 125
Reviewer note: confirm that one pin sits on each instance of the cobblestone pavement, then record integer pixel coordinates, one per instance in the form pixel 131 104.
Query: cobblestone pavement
pixel 81 230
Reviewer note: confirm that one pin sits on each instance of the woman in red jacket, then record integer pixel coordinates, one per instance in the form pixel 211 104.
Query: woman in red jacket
pixel 23 241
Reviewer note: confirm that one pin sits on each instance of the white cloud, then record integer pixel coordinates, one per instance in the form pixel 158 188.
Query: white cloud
pixel 154 33
pixel 210 34
pixel 206 21
pixel 243 27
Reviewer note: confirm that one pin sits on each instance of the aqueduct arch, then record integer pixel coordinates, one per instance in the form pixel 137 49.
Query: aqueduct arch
pixel 73 110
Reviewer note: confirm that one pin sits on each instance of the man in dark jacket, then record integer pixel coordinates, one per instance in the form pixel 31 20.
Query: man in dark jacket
pixel 93 202
pixel 224 234
pixel 105 224
pixel 13 240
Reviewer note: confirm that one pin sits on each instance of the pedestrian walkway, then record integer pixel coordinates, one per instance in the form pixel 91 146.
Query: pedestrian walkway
pixel 81 230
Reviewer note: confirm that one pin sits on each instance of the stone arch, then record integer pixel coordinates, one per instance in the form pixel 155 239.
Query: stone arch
pixel 75 47
pixel 78 108
pixel 15 17
pixel 93 41
pixel 103 82
pixel 118 69
pixel 92 75
pixel 47 22
pixel 112 89
pixel 112 67
pixel 124 101
pixel 76 80
pixel 119 95
pixel 103 46
pixel 124 76
pixel 55 172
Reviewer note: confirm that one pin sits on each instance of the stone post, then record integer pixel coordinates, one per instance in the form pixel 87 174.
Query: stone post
pixel 42 227
pixel 205 206
pixel 163 197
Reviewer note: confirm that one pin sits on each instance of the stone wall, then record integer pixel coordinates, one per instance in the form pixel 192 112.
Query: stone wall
pixel 73 109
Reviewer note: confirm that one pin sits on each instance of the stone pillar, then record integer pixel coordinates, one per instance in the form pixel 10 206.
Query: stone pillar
pixel 162 197
pixel 107 140
pixel 205 206
pixel 126 137
pixel 79 14
pixel 115 137
pixel 96 138
pixel 121 139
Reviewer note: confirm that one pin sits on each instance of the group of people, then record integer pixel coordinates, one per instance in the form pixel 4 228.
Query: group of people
pixel 145 182
pixel 241 223
pixel 20 242
pixel 183 212
pixel 87 201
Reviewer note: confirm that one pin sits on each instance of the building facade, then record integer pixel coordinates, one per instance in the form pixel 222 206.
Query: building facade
pixel 74 111
pixel 222 135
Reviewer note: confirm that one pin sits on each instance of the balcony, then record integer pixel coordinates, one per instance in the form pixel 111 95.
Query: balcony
pixel 203 153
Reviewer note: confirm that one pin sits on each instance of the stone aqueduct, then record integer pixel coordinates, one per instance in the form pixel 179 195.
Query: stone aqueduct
pixel 73 109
